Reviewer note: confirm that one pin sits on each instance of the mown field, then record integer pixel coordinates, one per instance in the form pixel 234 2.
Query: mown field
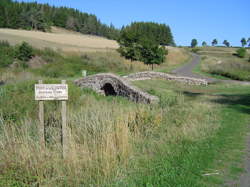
pixel 223 62
pixel 59 39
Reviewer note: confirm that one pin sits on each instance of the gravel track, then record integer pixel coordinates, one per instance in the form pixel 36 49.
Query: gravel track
pixel 187 71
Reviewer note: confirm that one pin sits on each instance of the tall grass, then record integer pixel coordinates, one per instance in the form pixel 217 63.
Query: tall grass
pixel 228 67
pixel 222 62
pixel 100 142
pixel 71 64
pixel 111 139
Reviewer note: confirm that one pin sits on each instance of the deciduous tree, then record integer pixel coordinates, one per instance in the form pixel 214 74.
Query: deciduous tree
pixel 204 44
pixel 243 42
pixel 226 43
pixel 214 42
pixel 248 41
pixel 141 41
pixel 194 43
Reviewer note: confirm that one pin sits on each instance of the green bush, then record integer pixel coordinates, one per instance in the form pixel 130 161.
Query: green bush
pixel 24 52
pixel 6 54
pixel 241 52
pixel 195 50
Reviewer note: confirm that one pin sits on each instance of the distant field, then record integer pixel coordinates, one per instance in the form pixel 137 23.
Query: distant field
pixel 223 63
pixel 60 39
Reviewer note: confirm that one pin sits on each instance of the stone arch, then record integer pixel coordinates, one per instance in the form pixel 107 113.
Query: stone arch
pixel 110 84
pixel 108 89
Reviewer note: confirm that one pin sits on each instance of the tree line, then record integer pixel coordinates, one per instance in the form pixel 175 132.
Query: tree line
pixel 214 42
pixel 29 16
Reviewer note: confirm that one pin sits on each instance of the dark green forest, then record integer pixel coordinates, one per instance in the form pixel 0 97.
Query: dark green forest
pixel 140 31
pixel 35 16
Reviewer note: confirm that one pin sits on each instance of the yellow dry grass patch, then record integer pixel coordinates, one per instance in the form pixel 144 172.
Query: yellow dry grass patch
pixel 176 55
pixel 69 41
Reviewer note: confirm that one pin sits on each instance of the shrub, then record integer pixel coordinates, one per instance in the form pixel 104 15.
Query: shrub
pixel 195 50
pixel 241 52
pixel 24 52
pixel 6 54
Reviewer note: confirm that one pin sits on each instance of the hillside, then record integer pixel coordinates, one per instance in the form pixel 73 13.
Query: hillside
pixel 36 16
pixel 223 62
pixel 58 39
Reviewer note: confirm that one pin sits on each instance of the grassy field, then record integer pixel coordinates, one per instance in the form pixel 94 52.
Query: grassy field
pixel 192 133
pixel 115 142
pixel 222 62
pixel 65 54
pixel 59 39
pixel 49 63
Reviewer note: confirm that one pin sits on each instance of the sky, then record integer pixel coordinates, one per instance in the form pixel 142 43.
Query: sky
pixel 203 20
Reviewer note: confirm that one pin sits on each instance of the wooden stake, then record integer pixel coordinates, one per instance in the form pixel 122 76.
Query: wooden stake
pixel 64 127
pixel 41 120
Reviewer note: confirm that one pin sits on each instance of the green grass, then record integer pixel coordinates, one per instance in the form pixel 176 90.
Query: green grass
pixel 198 70
pixel 220 152
pixel 191 132
pixel 194 130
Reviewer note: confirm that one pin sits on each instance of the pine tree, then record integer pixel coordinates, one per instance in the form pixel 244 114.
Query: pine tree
pixel 41 16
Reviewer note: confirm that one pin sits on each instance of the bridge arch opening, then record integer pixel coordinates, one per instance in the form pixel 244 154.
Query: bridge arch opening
pixel 109 89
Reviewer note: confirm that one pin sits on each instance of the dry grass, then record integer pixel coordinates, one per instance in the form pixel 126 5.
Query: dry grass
pixel 66 41
pixel 101 141
pixel 69 43
pixel 222 61
pixel 8 76
pixel 107 140
pixel 177 55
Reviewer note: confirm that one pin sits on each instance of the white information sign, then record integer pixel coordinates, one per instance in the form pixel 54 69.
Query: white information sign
pixel 51 92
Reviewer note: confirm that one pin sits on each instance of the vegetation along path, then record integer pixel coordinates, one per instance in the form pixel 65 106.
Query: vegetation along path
pixel 187 71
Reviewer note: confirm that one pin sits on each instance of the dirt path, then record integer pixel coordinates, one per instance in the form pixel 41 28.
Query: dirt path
pixel 187 71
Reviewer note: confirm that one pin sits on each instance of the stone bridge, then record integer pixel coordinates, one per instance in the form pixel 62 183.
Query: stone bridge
pixel 110 84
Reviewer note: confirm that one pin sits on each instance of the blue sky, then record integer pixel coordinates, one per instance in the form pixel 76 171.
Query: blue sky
pixel 188 19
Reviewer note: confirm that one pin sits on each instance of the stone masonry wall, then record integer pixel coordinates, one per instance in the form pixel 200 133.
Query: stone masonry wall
pixel 150 75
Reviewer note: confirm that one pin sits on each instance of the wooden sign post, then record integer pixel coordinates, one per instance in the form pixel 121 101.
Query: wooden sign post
pixel 44 92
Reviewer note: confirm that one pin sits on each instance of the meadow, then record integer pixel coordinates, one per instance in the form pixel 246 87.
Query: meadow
pixel 115 142
pixel 59 39
pixel 223 62
pixel 189 134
